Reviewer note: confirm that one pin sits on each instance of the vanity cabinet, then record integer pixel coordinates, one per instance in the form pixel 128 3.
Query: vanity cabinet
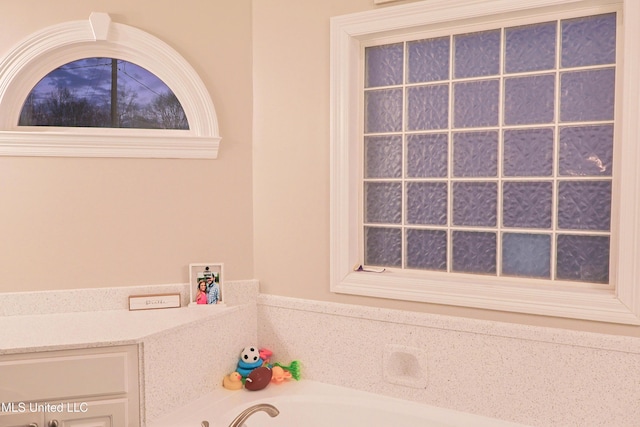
pixel 102 413
pixel 71 388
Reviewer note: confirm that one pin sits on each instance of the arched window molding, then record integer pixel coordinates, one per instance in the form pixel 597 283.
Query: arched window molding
pixel 98 36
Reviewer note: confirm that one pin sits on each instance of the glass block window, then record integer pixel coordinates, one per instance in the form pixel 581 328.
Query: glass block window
pixel 491 152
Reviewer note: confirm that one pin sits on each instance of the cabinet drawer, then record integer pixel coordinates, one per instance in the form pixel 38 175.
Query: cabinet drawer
pixel 98 413
pixel 55 375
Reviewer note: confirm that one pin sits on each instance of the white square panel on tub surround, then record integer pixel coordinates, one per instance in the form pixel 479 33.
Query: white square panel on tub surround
pixel 531 375
pixel 404 365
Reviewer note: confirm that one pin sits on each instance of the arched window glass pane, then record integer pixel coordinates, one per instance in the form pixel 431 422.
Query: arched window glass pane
pixel 102 92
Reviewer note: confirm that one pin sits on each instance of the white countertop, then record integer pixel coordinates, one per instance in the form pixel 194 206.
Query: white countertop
pixel 61 331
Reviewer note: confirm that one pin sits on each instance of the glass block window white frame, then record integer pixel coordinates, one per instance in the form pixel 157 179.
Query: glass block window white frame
pixel 51 47
pixel 619 303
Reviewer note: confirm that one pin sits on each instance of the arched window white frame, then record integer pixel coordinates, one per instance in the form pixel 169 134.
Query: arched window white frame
pixel 98 36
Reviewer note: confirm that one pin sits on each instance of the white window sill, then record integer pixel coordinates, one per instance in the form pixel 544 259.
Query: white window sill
pixel 108 143
pixel 566 301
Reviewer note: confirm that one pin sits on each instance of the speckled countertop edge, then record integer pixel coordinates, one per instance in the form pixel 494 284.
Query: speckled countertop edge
pixel 64 320
pixel 62 331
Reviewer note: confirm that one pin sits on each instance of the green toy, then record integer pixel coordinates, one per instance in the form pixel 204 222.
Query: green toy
pixel 293 368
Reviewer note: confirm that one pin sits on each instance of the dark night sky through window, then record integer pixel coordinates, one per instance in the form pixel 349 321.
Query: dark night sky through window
pixel 79 94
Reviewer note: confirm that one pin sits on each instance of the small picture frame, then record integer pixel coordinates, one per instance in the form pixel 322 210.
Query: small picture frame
pixel 205 283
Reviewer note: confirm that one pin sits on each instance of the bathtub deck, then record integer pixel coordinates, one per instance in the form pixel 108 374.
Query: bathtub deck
pixel 220 407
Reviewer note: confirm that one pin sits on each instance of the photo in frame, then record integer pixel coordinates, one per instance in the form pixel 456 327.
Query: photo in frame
pixel 205 284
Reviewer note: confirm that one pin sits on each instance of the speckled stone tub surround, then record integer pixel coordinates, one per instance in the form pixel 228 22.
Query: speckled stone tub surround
pixel 531 375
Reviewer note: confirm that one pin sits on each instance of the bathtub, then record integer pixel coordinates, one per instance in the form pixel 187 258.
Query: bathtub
pixel 313 404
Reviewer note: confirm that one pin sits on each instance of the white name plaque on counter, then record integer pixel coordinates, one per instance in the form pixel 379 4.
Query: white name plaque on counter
pixel 151 302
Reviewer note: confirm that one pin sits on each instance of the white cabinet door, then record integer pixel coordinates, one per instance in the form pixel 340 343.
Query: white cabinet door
pixel 50 376
pixel 99 413
pixel 103 383
pixel 21 419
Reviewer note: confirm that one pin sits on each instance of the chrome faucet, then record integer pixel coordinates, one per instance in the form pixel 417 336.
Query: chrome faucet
pixel 242 417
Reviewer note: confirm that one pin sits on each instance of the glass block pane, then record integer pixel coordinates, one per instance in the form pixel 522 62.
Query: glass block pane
pixel 477 54
pixel 383 246
pixel 427 249
pixel 587 95
pixel 589 41
pixel 475 154
pixel 527 204
pixel 428 107
pixel 429 60
pixel 474 252
pixel 584 205
pixel 427 203
pixel 475 104
pixel 383 111
pixel 528 152
pixel 586 150
pixel 526 255
pixel 384 65
pixel 383 156
pixel 530 47
pixel 382 202
pixel 529 100
pixel 475 203
pixel 427 155
pixel 583 258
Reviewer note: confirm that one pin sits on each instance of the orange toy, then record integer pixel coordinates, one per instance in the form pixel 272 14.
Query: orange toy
pixel 279 375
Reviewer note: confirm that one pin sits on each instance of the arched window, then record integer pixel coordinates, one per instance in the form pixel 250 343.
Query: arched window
pixel 129 93
pixel 102 92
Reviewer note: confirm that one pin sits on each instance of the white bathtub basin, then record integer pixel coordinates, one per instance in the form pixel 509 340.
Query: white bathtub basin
pixel 313 404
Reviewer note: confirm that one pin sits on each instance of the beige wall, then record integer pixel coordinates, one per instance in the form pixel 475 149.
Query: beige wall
pixel 291 160
pixel 262 206
pixel 72 223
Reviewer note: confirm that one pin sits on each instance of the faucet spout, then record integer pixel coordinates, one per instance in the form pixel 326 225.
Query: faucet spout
pixel 242 417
